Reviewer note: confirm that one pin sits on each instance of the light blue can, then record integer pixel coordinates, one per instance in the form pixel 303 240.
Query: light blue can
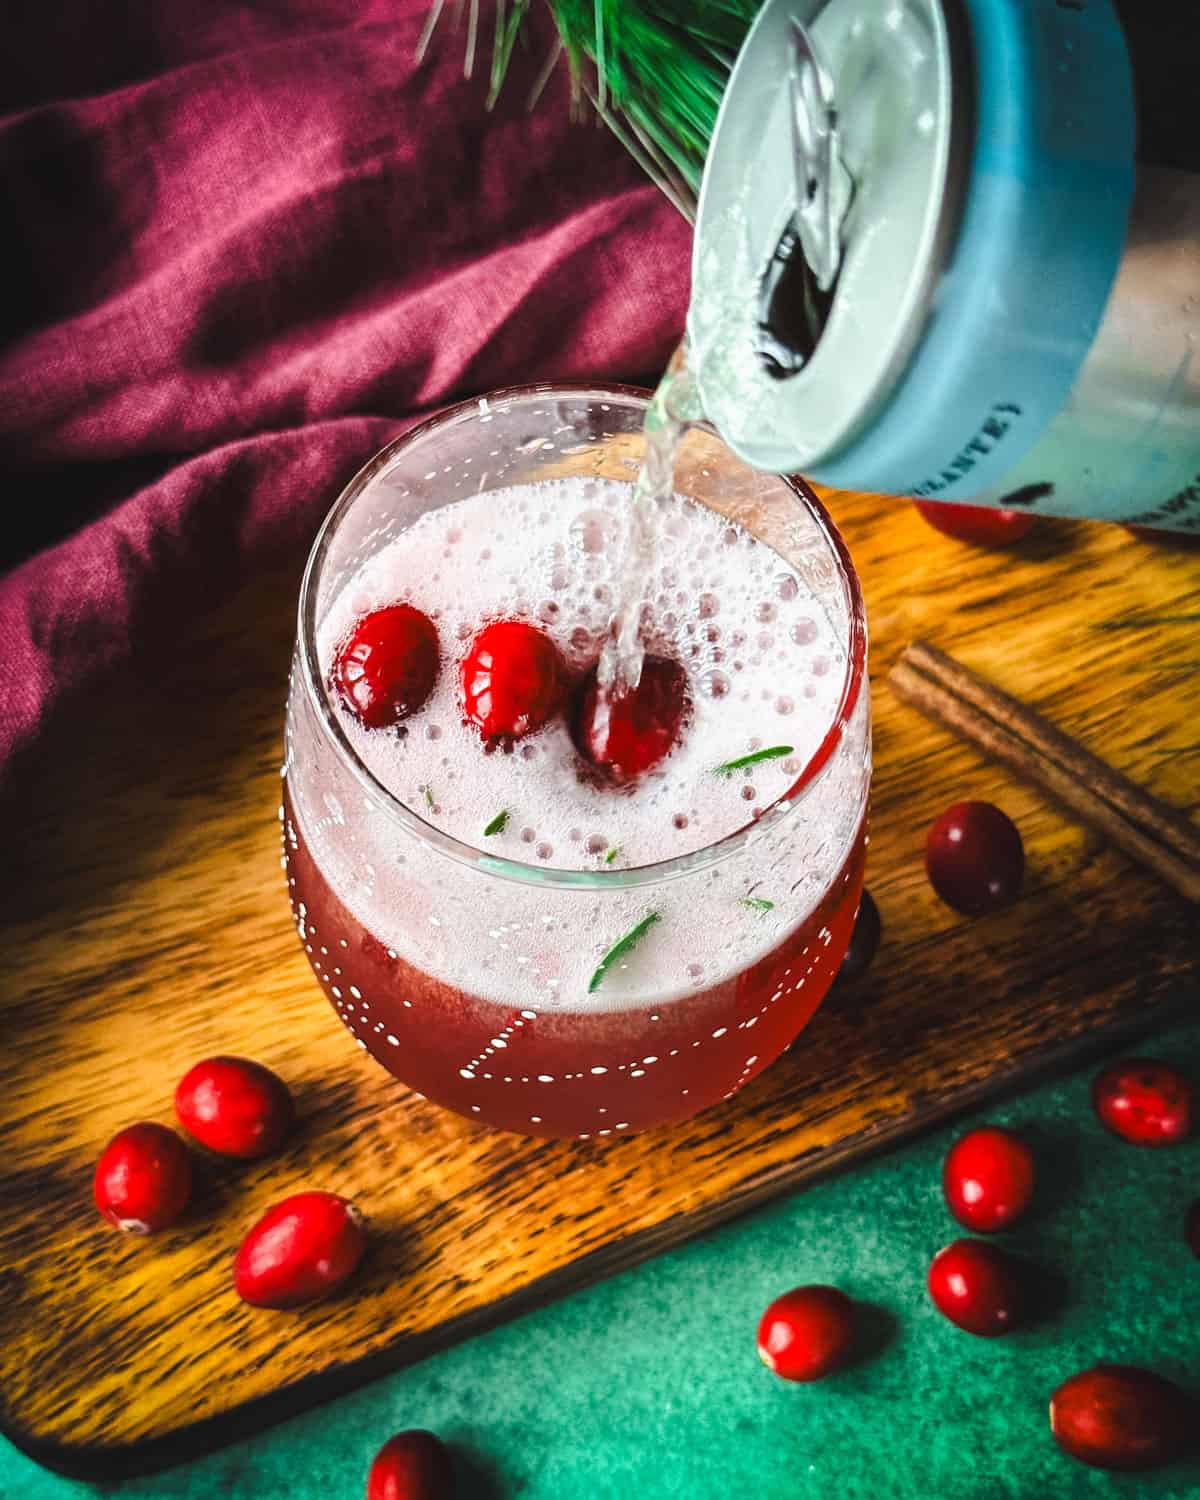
pixel 1016 317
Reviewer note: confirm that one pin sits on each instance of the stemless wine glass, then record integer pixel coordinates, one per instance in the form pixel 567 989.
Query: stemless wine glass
pixel 447 962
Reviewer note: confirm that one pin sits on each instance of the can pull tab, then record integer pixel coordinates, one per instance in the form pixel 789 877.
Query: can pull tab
pixel 796 289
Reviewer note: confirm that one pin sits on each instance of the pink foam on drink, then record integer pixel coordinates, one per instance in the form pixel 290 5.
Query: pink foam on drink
pixel 766 668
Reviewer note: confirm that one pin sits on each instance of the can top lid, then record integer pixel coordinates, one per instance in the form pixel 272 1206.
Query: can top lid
pixel 892 68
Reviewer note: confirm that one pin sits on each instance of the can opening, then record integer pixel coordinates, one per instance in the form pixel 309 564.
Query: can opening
pixel 792 308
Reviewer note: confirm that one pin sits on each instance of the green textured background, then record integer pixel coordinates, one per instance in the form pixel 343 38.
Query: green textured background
pixel 647 1387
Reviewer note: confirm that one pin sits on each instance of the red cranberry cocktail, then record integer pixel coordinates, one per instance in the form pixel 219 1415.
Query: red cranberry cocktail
pixel 554 909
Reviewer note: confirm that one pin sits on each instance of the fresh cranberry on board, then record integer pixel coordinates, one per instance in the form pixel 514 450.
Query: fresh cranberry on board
pixel 513 680
pixel 235 1107
pixel 626 735
pixel 987 1178
pixel 974 858
pixel 412 1465
pixel 982 524
pixel 1144 1101
pixel 807 1333
pixel 1123 1418
pixel 143 1179
pixel 864 941
pixel 978 1287
pixel 300 1251
pixel 386 667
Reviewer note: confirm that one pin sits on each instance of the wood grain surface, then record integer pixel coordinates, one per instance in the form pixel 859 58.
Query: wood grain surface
pixel 147 927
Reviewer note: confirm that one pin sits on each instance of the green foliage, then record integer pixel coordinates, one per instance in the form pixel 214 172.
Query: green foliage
pixel 655 71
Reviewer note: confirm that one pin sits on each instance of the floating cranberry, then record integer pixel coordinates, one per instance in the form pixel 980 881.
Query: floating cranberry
pixel 234 1107
pixel 864 941
pixel 300 1251
pixel 807 1333
pixel 988 1178
pixel 627 734
pixel 143 1179
pixel 984 525
pixel 413 1465
pixel 974 858
pixel 1122 1417
pixel 386 667
pixel 1143 1101
pixel 513 680
pixel 978 1287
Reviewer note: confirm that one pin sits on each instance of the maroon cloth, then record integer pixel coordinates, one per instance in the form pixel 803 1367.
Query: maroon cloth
pixel 249 241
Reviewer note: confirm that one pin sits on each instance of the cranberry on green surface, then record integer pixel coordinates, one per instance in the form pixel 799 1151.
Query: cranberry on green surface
pixel 978 1287
pixel 1123 1418
pixel 1144 1101
pixel 807 1333
pixel 988 1178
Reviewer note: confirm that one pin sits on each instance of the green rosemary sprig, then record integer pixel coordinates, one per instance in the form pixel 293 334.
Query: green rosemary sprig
pixel 776 752
pixel 620 948
pixel 498 824
pixel 758 903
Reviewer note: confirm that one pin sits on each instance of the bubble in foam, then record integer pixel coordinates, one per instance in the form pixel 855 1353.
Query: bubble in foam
pixel 543 850
pixel 749 793
pixel 528 835
pixel 714 683
pixel 708 606
pixel 784 705
pixel 679 821
pixel 765 612
pixel 433 732
pixel 804 632
pixel 591 531
pixel 820 665
pixel 596 843
pixel 547 610
pixel 787 586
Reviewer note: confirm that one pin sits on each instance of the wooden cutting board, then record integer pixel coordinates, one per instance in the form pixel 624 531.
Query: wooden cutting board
pixel 147 927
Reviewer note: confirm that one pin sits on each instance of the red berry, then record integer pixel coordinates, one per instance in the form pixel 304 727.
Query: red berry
pixel 974 858
pixel 143 1179
pixel 627 735
pixel 1191 1228
pixel 982 524
pixel 1146 1102
pixel 413 1465
pixel 1121 1417
pixel 301 1250
pixel 234 1106
pixel 864 941
pixel 513 680
pixel 807 1333
pixel 988 1178
pixel 978 1287
pixel 386 667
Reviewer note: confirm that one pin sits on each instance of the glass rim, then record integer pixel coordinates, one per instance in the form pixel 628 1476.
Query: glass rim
pixel 320 698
